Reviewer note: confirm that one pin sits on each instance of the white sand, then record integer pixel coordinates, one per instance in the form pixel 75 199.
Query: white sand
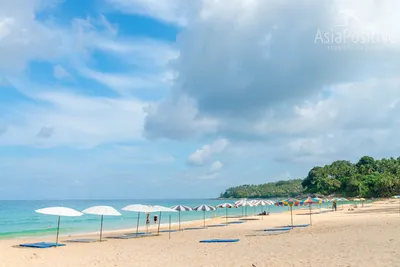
pixel 365 237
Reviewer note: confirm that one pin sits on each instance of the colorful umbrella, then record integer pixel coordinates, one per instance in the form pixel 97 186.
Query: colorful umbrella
pixel 311 201
pixel 290 202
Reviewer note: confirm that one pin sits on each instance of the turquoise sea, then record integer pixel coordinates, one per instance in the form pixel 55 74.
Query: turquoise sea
pixel 19 219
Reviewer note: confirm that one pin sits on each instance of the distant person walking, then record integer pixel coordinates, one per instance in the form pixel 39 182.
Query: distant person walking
pixel 334 206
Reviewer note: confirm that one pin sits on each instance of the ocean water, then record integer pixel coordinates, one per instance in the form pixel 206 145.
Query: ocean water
pixel 19 219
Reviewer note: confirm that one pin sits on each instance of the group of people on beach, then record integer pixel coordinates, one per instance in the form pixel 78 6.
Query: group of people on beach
pixel 155 218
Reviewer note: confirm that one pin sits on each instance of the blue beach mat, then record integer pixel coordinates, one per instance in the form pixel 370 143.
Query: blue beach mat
pixel 129 236
pixel 236 222
pixel 297 225
pixel 134 233
pixel 270 233
pixel 83 240
pixel 168 231
pixel 194 228
pixel 278 229
pixel 219 241
pixel 42 245
pixel 217 225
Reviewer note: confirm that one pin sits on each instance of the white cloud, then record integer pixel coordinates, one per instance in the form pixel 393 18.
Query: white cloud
pixel 146 61
pixel 216 166
pixel 170 11
pixel 74 120
pixel 144 52
pixel 23 37
pixel 59 72
pixel 125 84
pixel 202 155
pixel 267 81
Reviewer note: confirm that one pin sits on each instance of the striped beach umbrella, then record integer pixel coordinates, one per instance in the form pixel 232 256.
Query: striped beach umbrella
pixel 310 201
pixel 180 208
pixel 226 206
pixel 244 203
pixel 290 202
pixel 204 208
pixel 263 203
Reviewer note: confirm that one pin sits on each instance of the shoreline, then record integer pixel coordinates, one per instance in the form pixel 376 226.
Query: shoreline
pixel 365 237
pixel 163 226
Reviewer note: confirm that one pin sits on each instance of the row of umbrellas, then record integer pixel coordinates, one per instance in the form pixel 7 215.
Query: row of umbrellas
pixel 310 201
pixel 110 211
pixel 139 208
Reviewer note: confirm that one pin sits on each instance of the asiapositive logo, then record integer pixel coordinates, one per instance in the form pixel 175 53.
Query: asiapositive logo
pixel 351 35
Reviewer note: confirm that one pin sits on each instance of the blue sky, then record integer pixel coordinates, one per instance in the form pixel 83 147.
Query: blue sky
pixel 178 99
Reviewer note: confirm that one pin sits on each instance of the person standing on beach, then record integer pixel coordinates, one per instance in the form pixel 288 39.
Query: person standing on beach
pixel 147 221
pixel 334 205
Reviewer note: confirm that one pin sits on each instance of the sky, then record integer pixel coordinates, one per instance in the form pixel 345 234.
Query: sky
pixel 183 99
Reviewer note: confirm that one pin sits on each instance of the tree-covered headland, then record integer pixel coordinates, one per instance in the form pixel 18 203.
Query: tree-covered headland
pixel 366 178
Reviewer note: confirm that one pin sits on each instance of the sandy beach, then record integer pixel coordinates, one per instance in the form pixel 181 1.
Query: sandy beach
pixel 368 236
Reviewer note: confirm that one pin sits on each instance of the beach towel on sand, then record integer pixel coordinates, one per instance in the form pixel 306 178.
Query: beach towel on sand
pixel 219 241
pixel 42 245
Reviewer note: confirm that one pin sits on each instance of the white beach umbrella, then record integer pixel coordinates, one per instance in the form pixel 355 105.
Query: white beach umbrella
pixel 204 208
pixel 180 208
pixel 139 208
pixel 59 211
pixel 102 211
pixel 162 209
pixel 226 206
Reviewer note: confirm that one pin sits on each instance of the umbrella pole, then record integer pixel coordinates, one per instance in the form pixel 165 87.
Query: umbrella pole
pixel 101 227
pixel 204 218
pixel 137 224
pixel 58 230
pixel 291 215
pixel 179 220
pixel 309 205
pixel 226 210
pixel 159 221
pixel 169 227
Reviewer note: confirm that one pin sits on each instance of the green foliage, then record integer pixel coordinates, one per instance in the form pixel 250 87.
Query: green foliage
pixel 367 178
pixel 289 188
